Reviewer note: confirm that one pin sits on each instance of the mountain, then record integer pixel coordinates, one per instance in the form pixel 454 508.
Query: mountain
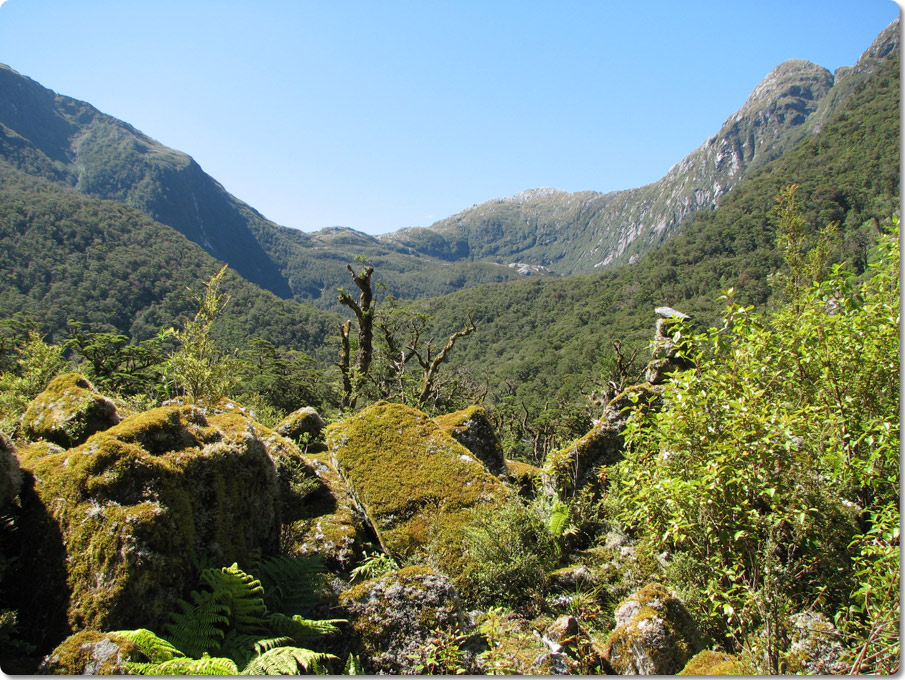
pixel 580 232
pixel 540 232
pixel 540 342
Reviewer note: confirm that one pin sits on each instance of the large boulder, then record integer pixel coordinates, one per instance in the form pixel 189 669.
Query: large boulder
pixel 68 411
pixel 395 614
pixel 473 430
pixel 139 506
pixel 304 423
pixel 654 634
pixel 410 477
pixel 709 662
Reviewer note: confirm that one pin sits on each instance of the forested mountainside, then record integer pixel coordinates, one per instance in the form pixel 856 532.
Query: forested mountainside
pixel 537 232
pixel 70 256
pixel 538 340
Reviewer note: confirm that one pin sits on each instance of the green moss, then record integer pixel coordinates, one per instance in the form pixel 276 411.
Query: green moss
pixel 92 653
pixel 709 662
pixel 409 475
pixel 68 411
pixel 142 503
pixel 472 429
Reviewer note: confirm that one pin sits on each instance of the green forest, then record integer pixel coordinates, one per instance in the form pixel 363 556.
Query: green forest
pixel 686 464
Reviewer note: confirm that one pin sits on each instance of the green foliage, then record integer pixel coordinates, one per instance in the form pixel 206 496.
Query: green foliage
pixel 227 626
pixel 766 458
pixel 198 368
pixel 36 362
pixel 442 654
pixel 374 565
pixel 291 582
pixel 508 551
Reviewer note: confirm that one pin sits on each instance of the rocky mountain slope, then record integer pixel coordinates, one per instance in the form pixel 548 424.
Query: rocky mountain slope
pixel 581 232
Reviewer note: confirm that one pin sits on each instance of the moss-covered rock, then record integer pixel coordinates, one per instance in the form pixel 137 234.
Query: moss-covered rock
pixel 10 473
pixel 573 467
pixel 709 662
pixel 816 647
pixel 412 479
pixel 303 423
pixel 395 614
pixel 92 653
pixel 654 634
pixel 473 430
pixel 141 504
pixel 332 526
pixel 68 411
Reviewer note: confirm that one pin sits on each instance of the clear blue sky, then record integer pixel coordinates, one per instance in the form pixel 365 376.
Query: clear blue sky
pixel 383 114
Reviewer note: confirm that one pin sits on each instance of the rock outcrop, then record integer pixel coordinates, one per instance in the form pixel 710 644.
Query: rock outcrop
pixel 68 411
pixel 411 478
pixel 394 616
pixel 92 653
pixel 10 474
pixel 139 505
pixel 305 422
pixel 654 634
pixel 473 430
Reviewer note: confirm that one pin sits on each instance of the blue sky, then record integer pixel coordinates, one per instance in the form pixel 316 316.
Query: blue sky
pixel 385 114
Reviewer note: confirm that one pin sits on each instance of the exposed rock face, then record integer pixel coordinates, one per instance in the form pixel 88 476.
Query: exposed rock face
pixel 303 422
pixel 395 614
pixel 654 634
pixel 92 653
pixel 410 477
pixel 472 429
pixel 139 504
pixel 10 474
pixel 68 411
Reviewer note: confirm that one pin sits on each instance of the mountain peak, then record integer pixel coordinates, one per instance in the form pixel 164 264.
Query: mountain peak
pixel 532 194
pixel 795 80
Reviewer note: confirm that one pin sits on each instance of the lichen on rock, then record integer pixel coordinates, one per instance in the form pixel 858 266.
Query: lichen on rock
pixel 654 634
pixel 68 411
pixel 393 615
pixel 90 652
pixel 305 422
pixel 141 504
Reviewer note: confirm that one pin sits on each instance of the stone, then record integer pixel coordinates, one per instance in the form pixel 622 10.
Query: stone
pixel 395 614
pixel 411 479
pixel 473 430
pixel 303 423
pixel 141 504
pixel 654 634
pixel 68 411
pixel 10 473
pixel 91 653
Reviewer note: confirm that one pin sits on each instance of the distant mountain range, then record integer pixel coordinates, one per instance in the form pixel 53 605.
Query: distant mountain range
pixel 539 232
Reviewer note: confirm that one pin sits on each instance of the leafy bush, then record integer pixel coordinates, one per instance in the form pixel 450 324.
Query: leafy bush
pixel 773 470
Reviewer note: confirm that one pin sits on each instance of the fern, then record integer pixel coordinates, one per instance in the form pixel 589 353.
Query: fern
pixel 155 648
pixel 206 665
pixel 243 596
pixel 289 661
pixel 291 582
pixel 198 628
pixel 302 630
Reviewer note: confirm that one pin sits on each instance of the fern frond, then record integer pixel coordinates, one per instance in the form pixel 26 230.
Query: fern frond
pixel 300 629
pixel 291 582
pixel 206 665
pixel 242 594
pixel 241 647
pixel 198 627
pixel 266 644
pixel 289 661
pixel 155 648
